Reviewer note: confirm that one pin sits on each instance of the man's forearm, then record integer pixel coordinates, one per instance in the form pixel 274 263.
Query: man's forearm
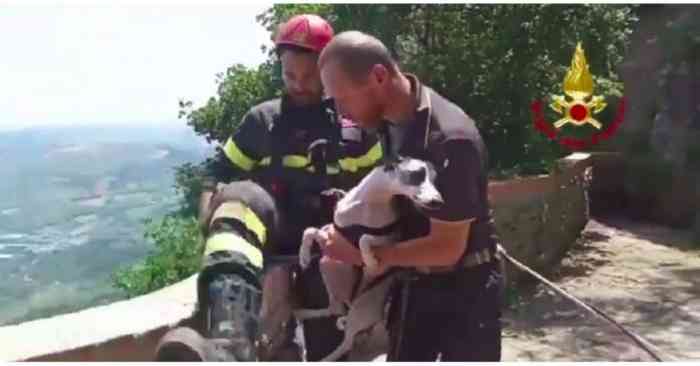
pixel 420 252
pixel 433 250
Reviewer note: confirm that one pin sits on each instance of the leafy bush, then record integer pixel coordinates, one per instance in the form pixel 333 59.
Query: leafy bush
pixel 176 255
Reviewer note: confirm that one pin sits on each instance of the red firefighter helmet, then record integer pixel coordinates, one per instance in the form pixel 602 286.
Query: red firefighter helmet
pixel 305 30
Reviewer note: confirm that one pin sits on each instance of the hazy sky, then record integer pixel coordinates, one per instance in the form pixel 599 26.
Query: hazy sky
pixel 125 62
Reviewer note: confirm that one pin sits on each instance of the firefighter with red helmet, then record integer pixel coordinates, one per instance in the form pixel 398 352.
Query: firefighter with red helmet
pixel 296 147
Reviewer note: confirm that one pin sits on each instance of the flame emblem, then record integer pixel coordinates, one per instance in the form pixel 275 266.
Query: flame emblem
pixel 580 106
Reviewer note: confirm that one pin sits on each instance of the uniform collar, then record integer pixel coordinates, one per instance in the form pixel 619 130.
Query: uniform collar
pixel 400 134
pixel 422 98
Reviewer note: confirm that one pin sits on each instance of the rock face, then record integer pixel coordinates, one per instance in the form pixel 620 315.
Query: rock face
pixel 662 86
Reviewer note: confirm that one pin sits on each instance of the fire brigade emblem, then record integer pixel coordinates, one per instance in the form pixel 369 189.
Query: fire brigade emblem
pixel 578 86
pixel 578 106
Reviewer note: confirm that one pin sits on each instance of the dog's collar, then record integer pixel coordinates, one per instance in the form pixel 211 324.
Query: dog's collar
pixel 354 232
pixel 240 212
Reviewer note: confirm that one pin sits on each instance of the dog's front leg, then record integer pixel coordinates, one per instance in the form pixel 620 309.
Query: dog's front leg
pixel 311 236
pixel 335 277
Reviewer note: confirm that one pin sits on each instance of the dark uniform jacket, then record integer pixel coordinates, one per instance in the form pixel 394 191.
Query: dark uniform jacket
pixel 445 136
pixel 274 146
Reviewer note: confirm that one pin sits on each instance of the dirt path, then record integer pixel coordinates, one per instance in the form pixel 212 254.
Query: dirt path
pixel 646 277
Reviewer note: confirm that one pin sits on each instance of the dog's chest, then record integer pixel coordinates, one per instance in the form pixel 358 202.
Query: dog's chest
pixel 365 219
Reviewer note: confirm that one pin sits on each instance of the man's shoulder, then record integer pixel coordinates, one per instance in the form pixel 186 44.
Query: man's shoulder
pixel 267 108
pixel 452 121
pixel 453 130
pixel 261 116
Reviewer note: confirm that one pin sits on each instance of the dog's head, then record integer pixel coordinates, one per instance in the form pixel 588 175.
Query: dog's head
pixel 414 179
pixel 407 177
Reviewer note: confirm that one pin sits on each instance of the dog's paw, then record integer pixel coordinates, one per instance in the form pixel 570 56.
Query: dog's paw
pixel 305 250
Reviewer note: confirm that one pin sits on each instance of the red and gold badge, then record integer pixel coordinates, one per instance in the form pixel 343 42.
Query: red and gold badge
pixel 577 107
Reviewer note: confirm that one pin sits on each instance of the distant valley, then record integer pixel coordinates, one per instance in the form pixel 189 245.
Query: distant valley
pixel 72 202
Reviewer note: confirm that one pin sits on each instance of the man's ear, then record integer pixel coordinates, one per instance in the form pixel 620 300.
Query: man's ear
pixel 380 74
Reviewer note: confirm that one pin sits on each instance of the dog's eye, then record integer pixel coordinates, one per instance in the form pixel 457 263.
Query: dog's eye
pixel 416 177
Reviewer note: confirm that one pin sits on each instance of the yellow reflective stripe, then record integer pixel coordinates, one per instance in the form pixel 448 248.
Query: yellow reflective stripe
pixel 234 243
pixel 290 161
pixel 295 161
pixel 348 164
pixel 237 157
pixel 372 156
pixel 364 161
pixel 237 210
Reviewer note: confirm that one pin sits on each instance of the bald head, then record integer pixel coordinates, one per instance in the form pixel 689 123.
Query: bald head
pixel 356 53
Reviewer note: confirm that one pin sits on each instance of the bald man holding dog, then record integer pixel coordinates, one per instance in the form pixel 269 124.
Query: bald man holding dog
pixel 451 309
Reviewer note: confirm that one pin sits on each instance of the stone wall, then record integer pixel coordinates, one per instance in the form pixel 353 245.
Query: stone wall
pixel 122 331
pixel 537 218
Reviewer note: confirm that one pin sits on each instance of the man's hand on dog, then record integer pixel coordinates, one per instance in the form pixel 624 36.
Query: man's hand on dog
pixel 338 247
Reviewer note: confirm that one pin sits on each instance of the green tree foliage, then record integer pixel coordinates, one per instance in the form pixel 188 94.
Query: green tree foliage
pixel 188 185
pixel 238 89
pixel 175 256
pixel 492 60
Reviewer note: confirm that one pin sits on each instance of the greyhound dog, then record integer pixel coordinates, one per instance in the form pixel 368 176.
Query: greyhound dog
pixel 367 216
pixel 237 222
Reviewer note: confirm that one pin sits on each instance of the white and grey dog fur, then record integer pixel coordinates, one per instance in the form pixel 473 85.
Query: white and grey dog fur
pixel 365 210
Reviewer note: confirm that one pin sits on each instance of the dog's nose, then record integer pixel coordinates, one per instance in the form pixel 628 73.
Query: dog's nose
pixel 434 203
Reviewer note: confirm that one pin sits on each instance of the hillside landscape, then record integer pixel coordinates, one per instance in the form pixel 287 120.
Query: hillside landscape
pixel 72 205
